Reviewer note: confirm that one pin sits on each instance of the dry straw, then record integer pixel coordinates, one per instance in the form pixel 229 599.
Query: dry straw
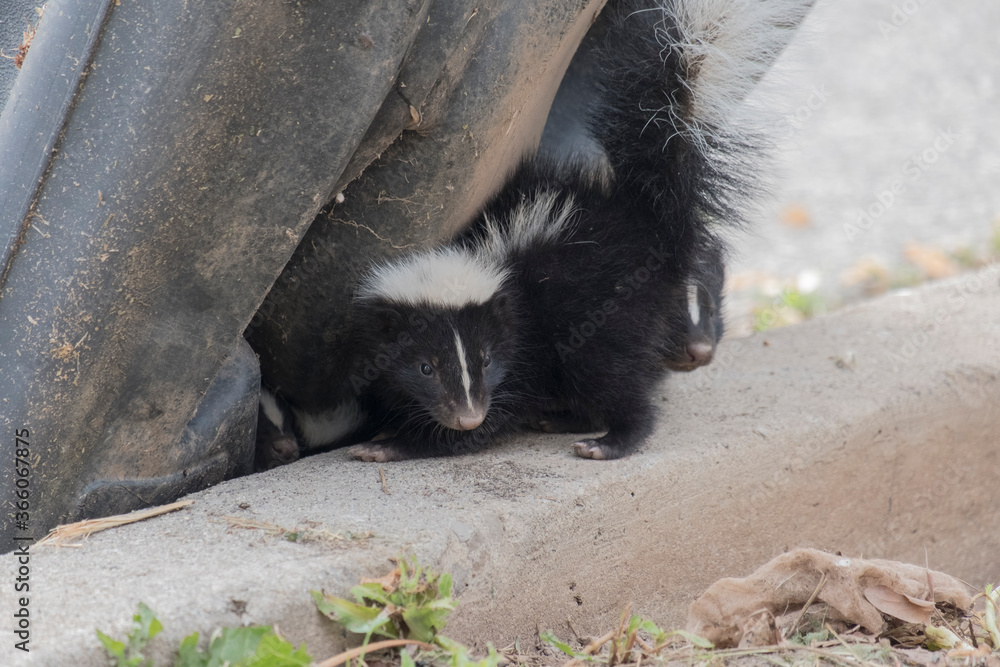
pixel 62 536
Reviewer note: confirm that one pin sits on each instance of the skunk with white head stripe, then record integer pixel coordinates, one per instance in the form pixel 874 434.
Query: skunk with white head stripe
pixel 442 369
pixel 568 297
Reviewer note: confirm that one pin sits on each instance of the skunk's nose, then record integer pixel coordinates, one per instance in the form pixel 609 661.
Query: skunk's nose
pixel 471 421
pixel 700 352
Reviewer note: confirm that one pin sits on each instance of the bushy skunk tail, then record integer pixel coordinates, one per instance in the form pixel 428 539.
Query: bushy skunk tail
pixel 672 113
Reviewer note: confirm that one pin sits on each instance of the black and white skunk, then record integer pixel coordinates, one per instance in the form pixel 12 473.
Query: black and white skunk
pixel 438 364
pixel 447 368
pixel 576 288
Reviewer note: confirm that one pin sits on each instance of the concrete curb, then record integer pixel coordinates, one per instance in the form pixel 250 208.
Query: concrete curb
pixel 871 432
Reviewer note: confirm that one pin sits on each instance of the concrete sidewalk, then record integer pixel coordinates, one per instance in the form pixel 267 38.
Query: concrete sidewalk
pixel 871 432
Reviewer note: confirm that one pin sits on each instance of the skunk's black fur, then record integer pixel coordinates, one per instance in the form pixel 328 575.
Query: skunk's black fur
pixel 583 298
pixel 600 294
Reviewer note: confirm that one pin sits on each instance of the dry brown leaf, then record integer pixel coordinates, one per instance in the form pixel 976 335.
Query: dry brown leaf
pixel 982 652
pixel 389 582
pixel 759 630
pixel 921 656
pixel 868 275
pixel 791 580
pixel 795 215
pixel 898 605
pixel 931 261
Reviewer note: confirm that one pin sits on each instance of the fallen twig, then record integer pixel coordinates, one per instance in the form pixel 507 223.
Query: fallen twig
pixel 385 483
pixel 341 658
pixel 812 598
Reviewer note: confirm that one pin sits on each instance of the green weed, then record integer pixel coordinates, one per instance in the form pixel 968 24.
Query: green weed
pixel 128 653
pixel 791 307
pixel 634 640
pixel 255 646
pixel 410 603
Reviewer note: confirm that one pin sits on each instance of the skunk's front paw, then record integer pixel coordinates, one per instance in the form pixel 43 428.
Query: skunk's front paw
pixel 275 449
pixel 589 449
pixel 377 452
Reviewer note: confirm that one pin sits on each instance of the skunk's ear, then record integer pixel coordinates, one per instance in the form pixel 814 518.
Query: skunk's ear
pixel 503 304
pixel 375 316
pixel 505 313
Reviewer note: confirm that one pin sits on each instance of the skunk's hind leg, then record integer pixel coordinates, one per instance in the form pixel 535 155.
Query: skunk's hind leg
pixel 627 428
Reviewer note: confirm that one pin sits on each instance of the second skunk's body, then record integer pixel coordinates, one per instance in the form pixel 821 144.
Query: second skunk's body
pixel 600 284
pixel 568 297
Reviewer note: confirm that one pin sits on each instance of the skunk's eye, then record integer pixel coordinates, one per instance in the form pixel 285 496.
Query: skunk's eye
pixel 486 361
pixel 426 369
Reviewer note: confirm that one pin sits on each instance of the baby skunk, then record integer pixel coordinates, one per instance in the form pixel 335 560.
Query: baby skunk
pixel 447 367
pixel 568 296
pixel 569 136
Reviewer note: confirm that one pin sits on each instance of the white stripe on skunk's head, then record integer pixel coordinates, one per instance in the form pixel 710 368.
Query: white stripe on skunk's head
pixel 445 277
pixel 269 406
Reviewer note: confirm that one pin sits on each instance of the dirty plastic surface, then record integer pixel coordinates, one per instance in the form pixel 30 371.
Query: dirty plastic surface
pixel 161 162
